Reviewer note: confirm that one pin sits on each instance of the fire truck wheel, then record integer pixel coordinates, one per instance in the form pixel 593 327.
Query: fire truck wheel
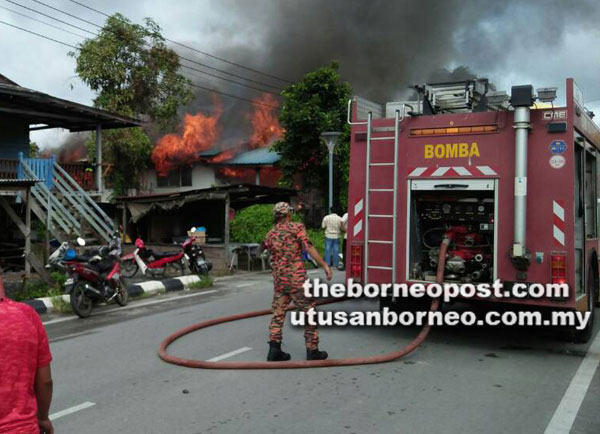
pixel 583 336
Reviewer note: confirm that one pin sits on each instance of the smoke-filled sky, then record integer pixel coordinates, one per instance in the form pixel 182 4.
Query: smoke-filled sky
pixel 382 46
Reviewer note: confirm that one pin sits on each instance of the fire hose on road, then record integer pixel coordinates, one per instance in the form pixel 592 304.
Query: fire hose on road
pixel 383 358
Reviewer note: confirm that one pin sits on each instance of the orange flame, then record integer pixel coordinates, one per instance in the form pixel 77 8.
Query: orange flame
pixel 236 173
pixel 265 124
pixel 200 132
pixel 223 156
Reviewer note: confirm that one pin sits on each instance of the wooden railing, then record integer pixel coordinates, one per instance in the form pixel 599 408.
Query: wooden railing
pixel 8 168
pixel 82 173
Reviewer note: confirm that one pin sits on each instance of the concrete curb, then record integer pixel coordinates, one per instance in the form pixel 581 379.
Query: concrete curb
pixel 149 288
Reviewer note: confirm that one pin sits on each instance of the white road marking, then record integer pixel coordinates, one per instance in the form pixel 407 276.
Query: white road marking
pixel 567 410
pixel 132 306
pixel 243 285
pixel 229 354
pixel 71 410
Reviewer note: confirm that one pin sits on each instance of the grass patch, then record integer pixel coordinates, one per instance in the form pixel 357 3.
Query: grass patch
pixel 38 289
pixel 204 282
pixel 59 303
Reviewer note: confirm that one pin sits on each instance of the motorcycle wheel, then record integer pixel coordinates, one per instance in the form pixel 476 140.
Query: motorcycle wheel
pixel 129 268
pixel 122 295
pixel 80 303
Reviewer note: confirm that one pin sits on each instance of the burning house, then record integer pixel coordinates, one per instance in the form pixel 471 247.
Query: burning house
pixel 197 158
pixel 200 179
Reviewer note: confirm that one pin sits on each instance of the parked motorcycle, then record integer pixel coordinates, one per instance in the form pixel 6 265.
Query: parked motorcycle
pixel 195 258
pixel 151 262
pixel 95 280
pixel 64 253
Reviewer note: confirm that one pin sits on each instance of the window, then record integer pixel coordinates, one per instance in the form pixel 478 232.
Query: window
pixel 186 177
pixel 176 178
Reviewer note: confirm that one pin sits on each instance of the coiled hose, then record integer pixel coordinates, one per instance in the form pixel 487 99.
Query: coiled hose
pixel 383 358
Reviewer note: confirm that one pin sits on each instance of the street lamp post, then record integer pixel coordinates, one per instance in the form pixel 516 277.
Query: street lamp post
pixel 331 138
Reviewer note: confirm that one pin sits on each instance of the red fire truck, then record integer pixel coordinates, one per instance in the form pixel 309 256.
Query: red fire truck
pixel 511 179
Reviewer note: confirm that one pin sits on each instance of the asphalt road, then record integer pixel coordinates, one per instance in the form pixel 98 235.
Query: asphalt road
pixel 108 378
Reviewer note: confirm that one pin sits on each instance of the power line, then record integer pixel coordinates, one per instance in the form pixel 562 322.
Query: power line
pixel 43 22
pixel 196 50
pixel 66 13
pixel 285 80
pixel 51 17
pixel 227 79
pixel 191 84
pixel 233 96
pixel 40 35
pixel 180 56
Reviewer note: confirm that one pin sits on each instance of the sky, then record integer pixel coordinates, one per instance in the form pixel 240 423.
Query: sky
pixel 382 46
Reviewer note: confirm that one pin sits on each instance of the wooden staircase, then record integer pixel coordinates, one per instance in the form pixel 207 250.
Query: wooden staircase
pixel 62 205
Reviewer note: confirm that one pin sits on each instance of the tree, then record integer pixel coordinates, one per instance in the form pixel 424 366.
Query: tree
pixel 34 150
pixel 316 104
pixel 134 74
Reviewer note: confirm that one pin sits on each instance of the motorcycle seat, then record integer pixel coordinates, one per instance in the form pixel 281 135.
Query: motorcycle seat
pixel 82 258
pixel 162 255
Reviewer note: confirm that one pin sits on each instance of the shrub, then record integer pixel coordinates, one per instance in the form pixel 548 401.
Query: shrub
pixel 317 236
pixel 37 289
pixel 251 224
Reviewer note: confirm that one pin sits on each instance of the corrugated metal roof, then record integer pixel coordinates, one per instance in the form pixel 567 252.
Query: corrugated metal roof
pixel 210 152
pixel 40 108
pixel 18 182
pixel 256 157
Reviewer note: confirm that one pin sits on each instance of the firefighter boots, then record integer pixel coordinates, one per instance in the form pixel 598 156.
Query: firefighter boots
pixel 275 353
pixel 316 354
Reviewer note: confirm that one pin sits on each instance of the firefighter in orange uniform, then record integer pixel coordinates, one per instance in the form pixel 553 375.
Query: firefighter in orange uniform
pixel 286 241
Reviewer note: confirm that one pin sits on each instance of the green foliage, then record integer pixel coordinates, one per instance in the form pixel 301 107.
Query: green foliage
pixel 129 151
pixel 38 288
pixel 317 237
pixel 251 224
pixel 134 74
pixel 204 282
pixel 59 303
pixel 59 278
pixel 316 104
pixel 34 150
pixel 39 228
pixel 32 290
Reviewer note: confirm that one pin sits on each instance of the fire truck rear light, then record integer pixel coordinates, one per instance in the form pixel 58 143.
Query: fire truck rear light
pixel 454 130
pixel 559 267
pixel 356 262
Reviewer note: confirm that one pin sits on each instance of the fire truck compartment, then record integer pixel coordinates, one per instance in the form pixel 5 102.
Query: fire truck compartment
pixel 463 211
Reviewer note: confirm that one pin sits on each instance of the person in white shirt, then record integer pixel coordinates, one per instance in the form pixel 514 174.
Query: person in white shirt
pixel 332 223
pixel 345 229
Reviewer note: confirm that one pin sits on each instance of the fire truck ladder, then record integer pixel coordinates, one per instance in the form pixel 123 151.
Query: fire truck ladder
pixel 393 191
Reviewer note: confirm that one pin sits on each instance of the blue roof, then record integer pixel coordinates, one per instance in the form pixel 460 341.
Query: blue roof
pixel 210 152
pixel 255 157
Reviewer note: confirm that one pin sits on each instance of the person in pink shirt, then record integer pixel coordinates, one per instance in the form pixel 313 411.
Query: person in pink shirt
pixel 25 377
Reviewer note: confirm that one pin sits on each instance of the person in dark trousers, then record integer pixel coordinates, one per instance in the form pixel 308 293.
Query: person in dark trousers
pixel 285 242
pixel 25 377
